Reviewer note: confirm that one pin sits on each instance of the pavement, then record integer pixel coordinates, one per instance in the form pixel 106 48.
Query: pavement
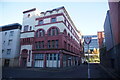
pixel 80 71
pixel 111 72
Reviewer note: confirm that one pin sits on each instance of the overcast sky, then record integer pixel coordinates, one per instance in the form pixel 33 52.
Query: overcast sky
pixel 88 17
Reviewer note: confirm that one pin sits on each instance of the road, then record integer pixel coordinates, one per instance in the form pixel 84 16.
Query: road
pixel 80 71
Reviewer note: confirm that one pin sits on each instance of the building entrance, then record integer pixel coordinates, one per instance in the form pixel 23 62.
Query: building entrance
pixel 6 63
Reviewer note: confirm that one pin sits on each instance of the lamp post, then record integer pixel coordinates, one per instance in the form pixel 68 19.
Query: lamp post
pixel 87 40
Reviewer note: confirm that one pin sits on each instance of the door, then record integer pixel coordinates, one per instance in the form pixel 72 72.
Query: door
pixel 7 61
pixel 24 62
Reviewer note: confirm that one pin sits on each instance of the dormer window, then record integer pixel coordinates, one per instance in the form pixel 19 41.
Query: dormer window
pixel 41 22
pixel 53 20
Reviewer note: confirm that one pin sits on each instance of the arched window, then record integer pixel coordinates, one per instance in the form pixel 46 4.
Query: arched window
pixel 53 31
pixel 24 51
pixel 37 34
pixel 40 33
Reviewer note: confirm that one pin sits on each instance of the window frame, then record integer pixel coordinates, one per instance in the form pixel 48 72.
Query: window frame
pixel 26 28
pixel 10 42
pixel 8 51
pixel 11 33
pixel 53 19
pixel 40 22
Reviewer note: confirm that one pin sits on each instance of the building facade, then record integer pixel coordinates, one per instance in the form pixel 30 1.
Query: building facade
pixel 101 39
pixel 111 53
pixel 115 25
pixel 93 44
pixel 10 44
pixel 49 39
pixel 93 48
pixel 102 47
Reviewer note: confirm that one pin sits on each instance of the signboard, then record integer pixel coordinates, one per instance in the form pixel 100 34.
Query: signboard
pixel 87 40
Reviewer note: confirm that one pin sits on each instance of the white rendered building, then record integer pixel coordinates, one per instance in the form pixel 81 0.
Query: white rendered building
pixel 10 44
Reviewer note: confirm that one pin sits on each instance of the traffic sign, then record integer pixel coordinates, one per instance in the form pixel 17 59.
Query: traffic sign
pixel 87 40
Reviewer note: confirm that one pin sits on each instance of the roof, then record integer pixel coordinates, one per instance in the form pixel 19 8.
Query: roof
pixel 10 27
pixel 29 10
pixel 52 10
pixel 62 7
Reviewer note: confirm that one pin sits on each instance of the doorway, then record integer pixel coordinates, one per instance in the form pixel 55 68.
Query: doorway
pixel 24 62
pixel 6 63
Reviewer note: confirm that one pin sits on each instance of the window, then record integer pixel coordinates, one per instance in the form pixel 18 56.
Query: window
pixel 38 56
pixel 11 33
pixel 24 51
pixel 53 31
pixel 9 42
pixel 49 44
pixel 69 47
pixel 53 20
pixel 28 15
pixel 30 28
pixel 56 44
pixel 42 45
pixel 72 30
pixel 65 33
pixel 8 51
pixel 47 56
pixel 37 45
pixel 5 33
pixel 41 22
pixel 54 56
pixel 53 43
pixel 28 40
pixel 50 56
pixel 2 51
pixel 26 28
pixel 3 42
pixel 70 27
pixel 37 34
pixel 69 36
pixel 41 33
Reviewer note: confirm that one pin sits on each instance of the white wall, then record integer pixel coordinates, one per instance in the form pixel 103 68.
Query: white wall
pixel 30 20
pixel 28 47
pixel 27 35
pixel 15 45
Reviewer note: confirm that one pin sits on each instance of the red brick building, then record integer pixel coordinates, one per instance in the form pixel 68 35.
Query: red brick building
pixel 49 39
pixel 115 25
pixel 100 38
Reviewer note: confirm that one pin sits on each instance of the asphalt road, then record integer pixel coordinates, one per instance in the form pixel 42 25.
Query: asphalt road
pixel 80 71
